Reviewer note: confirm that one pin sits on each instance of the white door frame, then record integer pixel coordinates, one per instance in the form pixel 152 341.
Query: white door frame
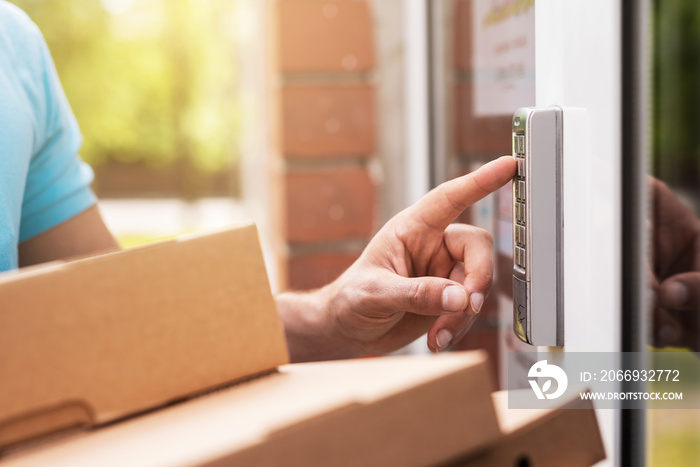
pixel 578 57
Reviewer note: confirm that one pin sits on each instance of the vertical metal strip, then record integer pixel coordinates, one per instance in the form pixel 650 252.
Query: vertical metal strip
pixel 416 99
pixel 635 131
pixel 432 103
pixel 560 224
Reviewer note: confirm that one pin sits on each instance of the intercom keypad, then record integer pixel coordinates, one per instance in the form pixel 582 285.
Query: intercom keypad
pixel 538 226
pixel 519 203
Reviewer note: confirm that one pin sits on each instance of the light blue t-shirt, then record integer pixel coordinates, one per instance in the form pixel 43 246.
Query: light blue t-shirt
pixel 43 181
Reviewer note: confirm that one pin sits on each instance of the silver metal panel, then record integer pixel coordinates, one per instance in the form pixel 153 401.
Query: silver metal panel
pixel 538 254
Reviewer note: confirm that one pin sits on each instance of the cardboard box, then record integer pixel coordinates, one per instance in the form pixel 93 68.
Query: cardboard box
pixel 566 435
pixel 88 342
pixel 402 411
pixel 91 343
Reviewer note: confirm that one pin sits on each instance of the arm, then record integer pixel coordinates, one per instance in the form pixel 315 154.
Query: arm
pixel 81 235
pixel 59 216
pixel 419 273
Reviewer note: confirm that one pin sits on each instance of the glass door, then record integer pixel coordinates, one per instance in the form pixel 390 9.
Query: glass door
pixel 492 57
pixel 672 261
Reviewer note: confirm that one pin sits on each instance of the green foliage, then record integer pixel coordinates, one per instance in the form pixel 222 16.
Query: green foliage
pixel 676 74
pixel 153 82
pixel 678 448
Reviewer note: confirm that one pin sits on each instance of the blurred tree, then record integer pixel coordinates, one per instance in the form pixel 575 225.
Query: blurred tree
pixel 676 67
pixel 151 82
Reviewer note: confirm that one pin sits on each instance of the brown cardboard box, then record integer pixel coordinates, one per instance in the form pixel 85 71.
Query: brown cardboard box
pixel 567 435
pixel 390 411
pixel 91 341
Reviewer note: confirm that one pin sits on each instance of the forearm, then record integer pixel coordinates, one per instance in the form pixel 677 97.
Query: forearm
pixel 82 235
pixel 312 333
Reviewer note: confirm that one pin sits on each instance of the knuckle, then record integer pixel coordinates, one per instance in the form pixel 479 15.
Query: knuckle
pixel 417 297
pixel 456 204
pixel 487 237
pixel 488 280
pixel 402 231
pixel 478 183
pixel 480 236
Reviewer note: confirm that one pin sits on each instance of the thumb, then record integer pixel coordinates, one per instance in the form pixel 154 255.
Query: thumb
pixel 429 296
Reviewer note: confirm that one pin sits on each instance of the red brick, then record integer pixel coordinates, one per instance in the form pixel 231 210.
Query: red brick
pixel 323 121
pixel 328 205
pixel 311 271
pixel 317 36
pixel 462 34
pixel 479 137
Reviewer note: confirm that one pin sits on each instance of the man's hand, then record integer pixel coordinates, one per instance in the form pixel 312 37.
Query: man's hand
pixel 419 273
pixel 676 275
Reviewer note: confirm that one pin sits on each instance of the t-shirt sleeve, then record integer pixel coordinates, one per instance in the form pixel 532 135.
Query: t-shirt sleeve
pixel 58 181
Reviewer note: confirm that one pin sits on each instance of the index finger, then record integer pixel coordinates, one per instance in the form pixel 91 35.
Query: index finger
pixel 441 206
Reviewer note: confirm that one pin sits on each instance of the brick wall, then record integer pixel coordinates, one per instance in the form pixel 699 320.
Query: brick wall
pixel 337 111
pixel 325 103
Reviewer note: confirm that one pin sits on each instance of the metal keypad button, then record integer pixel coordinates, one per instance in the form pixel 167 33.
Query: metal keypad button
pixel 520 257
pixel 520 234
pixel 520 213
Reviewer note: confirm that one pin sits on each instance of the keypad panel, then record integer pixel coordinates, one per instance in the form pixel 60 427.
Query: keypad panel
pixel 519 204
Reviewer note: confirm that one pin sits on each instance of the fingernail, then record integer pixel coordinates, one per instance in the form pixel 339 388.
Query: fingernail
pixel 443 338
pixel 454 298
pixel 675 294
pixel 477 300
pixel 668 335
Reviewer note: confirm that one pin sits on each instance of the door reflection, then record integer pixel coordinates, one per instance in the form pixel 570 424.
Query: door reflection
pixel 674 257
pixel 675 281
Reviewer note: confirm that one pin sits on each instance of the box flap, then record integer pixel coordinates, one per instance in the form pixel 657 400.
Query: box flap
pixel 94 340
pixel 566 435
pixel 385 411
